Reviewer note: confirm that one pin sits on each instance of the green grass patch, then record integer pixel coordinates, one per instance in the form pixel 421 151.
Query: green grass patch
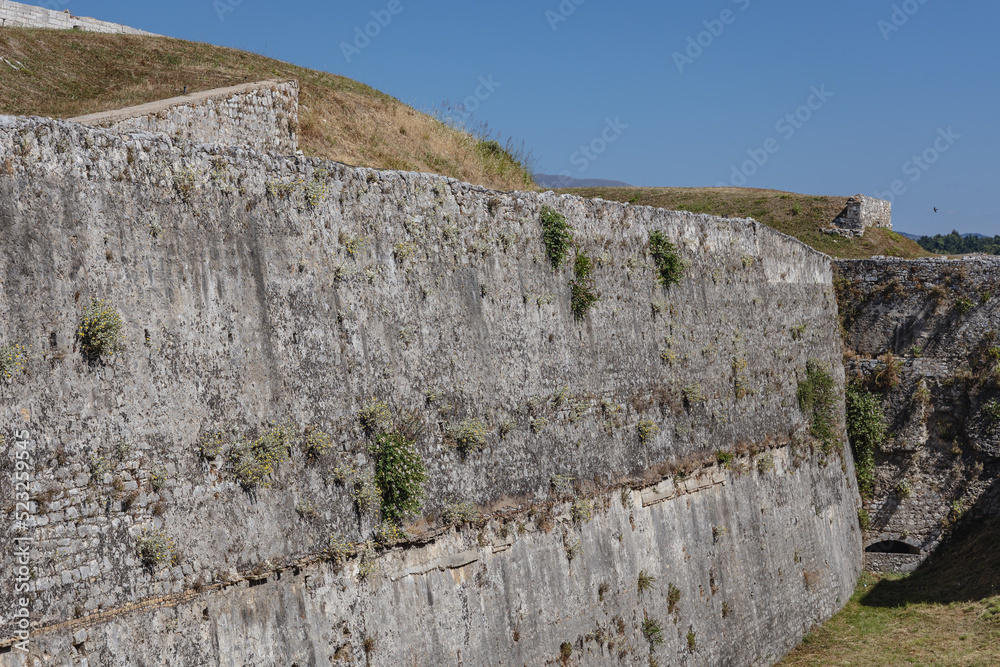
pixel 946 613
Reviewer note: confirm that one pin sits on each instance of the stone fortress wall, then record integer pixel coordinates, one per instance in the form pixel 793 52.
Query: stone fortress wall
pixel 258 289
pixel 938 319
pixel 19 15
pixel 263 116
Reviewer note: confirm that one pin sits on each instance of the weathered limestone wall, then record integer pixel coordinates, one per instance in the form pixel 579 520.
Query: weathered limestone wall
pixel 263 116
pixel 939 319
pixel 862 213
pixel 18 15
pixel 258 288
pixel 758 558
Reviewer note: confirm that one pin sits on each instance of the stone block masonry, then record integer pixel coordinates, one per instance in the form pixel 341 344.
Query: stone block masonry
pixel 861 214
pixel 18 15
pixel 263 116
pixel 259 289
pixel 932 325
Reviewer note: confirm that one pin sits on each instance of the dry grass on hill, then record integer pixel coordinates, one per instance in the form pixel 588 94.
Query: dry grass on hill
pixel 801 216
pixel 70 73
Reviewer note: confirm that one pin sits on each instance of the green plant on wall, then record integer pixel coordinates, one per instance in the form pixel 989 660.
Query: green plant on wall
pixel 12 358
pixel 253 461
pixel 583 295
pixel 100 330
pixel 399 475
pixel 817 395
pixel 668 261
pixel 557 236
pixel 154 547
pixel 992 411
pixel 469 434
pixel 866 428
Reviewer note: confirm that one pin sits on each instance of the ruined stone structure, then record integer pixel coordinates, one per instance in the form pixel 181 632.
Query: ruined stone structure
pixel 938 320
pixel 648 461
pixel 19 15
pixel 861 214
pixel 263 116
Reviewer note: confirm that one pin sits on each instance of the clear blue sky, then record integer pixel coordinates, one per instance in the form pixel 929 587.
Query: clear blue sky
pixel 895 92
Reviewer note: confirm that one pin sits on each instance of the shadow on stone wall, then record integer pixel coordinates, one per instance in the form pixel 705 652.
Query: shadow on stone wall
pixel 965 569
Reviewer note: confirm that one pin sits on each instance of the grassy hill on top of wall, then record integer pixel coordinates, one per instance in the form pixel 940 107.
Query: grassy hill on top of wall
pixel 72 73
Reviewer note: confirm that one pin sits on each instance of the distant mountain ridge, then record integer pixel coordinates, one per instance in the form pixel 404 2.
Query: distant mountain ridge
pixel 558 181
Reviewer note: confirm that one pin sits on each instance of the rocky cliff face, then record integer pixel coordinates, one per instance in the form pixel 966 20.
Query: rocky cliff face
pixel 657 437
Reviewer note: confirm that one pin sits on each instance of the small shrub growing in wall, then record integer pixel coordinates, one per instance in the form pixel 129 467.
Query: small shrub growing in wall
pixel 458 513
pixel 557 236
pixel 99 467
pixel 887 375
pixel 316 443
pixel 338 548
pixel 581 287
pixel 817 395
pixel 725 459
pixel 582 510
pixel 963 305
pixel 388 534
pixel 647 429
pixel 374 416
pixel 866 428
pixel 673 598
pixel 904 489
pixel 210 444
pixel 992 411
pixel 765 463
pixel 692 641
pixel 184 182
pixel 469 434
pixel 645 582
pixel 361 484
pixel 100 330
pixel 864 520
pixel 158 478
pixel 254 461
pixel 652 630
pixel 692 395
pixel 154 547
pixel 399 475
pixel 565 651
pixel 12 357
pixel 923 394
pixel 665 256
pixel 561 484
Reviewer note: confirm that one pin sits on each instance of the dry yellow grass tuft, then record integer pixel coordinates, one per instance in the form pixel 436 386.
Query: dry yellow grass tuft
pixel 70 73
